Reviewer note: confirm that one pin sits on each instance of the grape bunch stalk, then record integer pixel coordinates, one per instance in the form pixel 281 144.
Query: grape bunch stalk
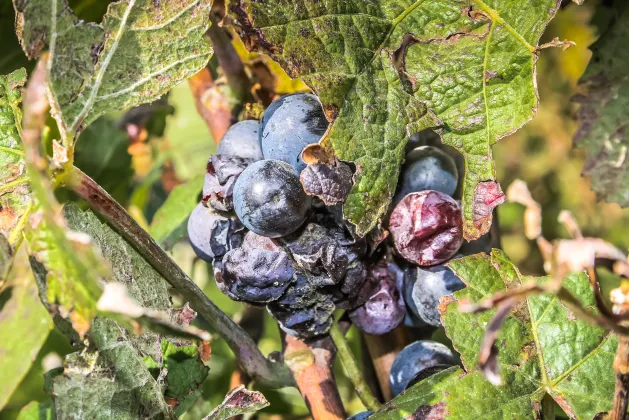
pixel 272 227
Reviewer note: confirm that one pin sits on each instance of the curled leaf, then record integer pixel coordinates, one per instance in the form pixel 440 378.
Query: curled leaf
pixel 238 401
pixel 331 183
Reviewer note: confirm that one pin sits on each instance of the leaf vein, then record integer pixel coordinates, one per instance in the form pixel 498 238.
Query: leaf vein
pixel 98 80
pixel 140 82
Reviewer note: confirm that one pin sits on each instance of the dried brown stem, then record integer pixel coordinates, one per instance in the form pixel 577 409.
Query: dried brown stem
pixel 562 293
pixel 244 347
pixel 488 357
pixel 596 288
pixel 228 59
pixel 621 367
pixel 212 104
pixel 311 364
pixel 383 349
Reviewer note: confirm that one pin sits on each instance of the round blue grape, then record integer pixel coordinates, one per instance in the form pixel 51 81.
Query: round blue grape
pixel 427 168
pixel 423 287
pixel 269 199
pixel 289 124
pixel 361 416
pixel 415 358
pixel 211 234
pixel 242 140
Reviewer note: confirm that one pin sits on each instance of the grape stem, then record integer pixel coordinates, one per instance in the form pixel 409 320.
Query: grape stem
pixel 258 367
pixel 219 104
pixel 311 364
pixel 353 371
pixel 383 349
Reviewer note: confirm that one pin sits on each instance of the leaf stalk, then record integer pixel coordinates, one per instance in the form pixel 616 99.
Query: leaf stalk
pixel 353 371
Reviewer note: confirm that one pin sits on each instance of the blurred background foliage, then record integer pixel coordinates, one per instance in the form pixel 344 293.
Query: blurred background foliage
pixel 140 156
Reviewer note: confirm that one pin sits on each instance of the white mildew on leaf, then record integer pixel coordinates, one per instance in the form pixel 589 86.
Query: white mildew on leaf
pixel 140 50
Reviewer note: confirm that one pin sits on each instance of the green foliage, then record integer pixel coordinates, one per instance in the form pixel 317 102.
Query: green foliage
pixel 542 349
pixel 603 112
pixel 25 323
pixel 110 384
pixel 141 50
pixel 190 143
pixel 102 154
pixel 385 68
pixel 185 370
pixel 15 198
pixel 169 224
pixel 38 411
pixel 150 290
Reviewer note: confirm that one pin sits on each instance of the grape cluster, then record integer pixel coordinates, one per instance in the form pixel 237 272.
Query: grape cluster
pixel 272 226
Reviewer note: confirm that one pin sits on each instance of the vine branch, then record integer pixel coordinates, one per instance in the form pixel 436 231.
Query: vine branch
pixel 264 371
pixel 352 369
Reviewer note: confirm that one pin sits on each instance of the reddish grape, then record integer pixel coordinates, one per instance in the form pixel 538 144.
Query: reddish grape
pixel 427 227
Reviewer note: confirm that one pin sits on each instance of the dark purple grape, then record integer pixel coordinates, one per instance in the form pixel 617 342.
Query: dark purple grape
pixel 289 124
pixel 211 234
pixel 414 359
pixel 307 322
pixel 427 227
pixel 423 287
pixel 242 140
pixel 269 199
pixel 384 310
pixel 427 168
pixel 220 177
pixel 257 272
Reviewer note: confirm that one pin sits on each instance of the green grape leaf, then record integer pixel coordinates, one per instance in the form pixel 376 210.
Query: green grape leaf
pixel 24 323
pixel 603 113
pixel 384 69
pixel 543 349
pixel 67 266
pixel 169 223
pixel 38 411
pixel 186 371
pixel 15 200
pixel 110 383
pixel 238 401
pixel 149 290
pixel 141 49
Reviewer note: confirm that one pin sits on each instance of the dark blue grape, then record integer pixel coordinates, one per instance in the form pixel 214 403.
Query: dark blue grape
pixel 361 416
pixel 257 272
pixel 384 309
pixel 211 234
pixel 307 322
pixel 291 123
pixel 269 199
pixel 427 168
pixel 414 359
pixel 242 140
pixel 423 287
